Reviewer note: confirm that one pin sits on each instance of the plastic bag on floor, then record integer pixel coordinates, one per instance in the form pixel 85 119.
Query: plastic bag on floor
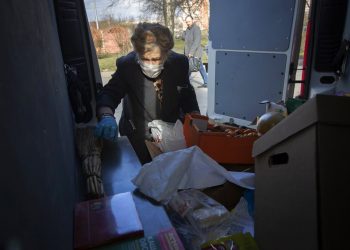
pixel 201 211
pixel 184 169
pixel 240 220
pixel 196 217
pixel 203 222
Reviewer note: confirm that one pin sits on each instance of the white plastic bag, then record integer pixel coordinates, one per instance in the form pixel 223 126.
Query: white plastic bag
pixel 168 136
pixel 183 169
pixel 240 220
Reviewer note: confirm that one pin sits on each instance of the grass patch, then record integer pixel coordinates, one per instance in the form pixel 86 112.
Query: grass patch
pixel 107 63
pixel 179 46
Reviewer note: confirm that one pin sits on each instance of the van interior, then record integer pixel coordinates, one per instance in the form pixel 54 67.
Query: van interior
pixel 49 80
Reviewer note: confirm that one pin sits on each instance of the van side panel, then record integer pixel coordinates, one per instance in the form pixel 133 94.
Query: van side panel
pixel 38 163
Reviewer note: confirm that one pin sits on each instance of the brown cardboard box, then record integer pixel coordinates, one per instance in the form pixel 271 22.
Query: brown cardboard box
pixel 302 171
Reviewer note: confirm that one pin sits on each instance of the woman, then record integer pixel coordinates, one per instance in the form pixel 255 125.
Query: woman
pixel 153 83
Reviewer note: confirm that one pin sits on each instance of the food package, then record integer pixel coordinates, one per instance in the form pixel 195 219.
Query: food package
pixel 199 209
pixel 207 217
pixel 237 241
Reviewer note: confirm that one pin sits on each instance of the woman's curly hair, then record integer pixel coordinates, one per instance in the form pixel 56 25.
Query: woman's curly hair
pixel 148 35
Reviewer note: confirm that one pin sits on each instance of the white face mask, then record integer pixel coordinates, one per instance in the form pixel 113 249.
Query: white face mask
pixel 151 70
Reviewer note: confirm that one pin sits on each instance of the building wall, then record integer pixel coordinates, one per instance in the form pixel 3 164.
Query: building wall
pixel 204 16
pixel 37 155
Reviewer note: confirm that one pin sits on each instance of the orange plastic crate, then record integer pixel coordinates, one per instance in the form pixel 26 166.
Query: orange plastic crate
pixel 219 146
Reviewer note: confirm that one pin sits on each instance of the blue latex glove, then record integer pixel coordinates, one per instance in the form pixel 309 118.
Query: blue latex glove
pixel 107 128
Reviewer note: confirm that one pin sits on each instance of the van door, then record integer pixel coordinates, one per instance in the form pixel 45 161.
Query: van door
pixel 251 47
pixel 78 52
pixel 327 70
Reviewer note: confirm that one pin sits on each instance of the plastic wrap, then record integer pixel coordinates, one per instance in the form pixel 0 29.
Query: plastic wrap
pixel 199 219
pixel 199 216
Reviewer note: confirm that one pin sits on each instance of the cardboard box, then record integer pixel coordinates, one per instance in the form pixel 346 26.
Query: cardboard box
pixel 222 148
pixel 302 171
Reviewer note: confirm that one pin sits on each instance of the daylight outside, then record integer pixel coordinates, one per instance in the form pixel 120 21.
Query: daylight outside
pixel 112 23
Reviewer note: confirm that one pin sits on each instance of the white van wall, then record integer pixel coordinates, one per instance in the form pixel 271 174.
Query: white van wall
pixel 249 56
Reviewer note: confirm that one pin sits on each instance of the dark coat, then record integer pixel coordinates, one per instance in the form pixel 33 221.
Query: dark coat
pixel 141 104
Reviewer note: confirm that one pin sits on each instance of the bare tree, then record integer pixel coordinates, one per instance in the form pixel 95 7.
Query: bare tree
pixel 191 8
pixel 166 10
pixel 113 3
pixel 163 9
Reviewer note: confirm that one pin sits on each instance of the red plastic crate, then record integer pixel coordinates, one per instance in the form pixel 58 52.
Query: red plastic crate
pixel 222 148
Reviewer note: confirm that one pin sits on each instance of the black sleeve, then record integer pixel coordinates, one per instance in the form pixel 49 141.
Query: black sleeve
pixel 188 99
pixel 113 92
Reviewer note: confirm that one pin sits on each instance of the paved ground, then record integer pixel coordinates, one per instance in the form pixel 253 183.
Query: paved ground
pixel 196 80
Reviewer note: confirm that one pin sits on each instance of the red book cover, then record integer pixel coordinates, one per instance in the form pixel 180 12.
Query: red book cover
pixel 105 220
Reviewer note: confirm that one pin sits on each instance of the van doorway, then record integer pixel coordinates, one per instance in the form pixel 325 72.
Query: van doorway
pixel 112 23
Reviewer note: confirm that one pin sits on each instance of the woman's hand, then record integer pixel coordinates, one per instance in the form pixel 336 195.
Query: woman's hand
pixel 107 128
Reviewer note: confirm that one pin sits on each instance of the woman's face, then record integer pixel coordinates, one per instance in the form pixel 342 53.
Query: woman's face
pixel 154 56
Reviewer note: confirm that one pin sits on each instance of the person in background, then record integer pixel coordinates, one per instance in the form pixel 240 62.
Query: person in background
pixel 154 84
pixel 192 36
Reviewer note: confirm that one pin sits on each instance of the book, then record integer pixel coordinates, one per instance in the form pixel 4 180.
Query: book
pixel 164 240
pixel 106 220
